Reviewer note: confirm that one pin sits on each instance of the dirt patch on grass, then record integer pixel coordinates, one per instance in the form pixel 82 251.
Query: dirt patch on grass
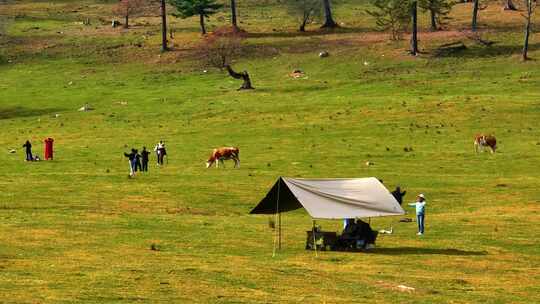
pixel 19 111
pixel 149 205
pixel 189 210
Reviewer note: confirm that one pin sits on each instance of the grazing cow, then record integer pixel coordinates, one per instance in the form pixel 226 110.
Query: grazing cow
pixel 224 153
pixel 482 141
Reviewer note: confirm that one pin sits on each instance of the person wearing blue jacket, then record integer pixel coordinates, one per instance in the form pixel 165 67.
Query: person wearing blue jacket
pixel 420 205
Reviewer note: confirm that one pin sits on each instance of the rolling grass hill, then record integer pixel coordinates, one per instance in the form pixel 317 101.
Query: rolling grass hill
pixel 76 229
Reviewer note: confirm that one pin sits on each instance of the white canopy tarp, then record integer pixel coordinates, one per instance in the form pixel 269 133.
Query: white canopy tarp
pixel 330 198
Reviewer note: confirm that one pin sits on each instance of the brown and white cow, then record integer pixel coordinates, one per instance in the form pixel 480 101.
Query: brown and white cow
pixel 224 153
pixel 482 141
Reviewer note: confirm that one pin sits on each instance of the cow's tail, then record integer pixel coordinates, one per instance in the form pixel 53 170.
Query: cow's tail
pixel 237 161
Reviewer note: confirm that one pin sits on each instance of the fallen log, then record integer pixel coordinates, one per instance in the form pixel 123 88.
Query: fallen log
pixel 479 40
pixel 450 48
pixel 243 75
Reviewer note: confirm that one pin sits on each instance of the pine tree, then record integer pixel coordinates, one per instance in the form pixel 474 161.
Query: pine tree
pixel 189 8
pixel 438 11
pixel 393 15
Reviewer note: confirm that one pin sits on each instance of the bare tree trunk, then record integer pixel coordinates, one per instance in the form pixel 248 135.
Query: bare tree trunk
pixel 474 16
pixel 527 31
pixel 302 27
pixel 414 36
pixel 244 75
pixel 304 22
pixel 328 20
pixel 201 21
pixel 434 26
pixel 164 47
pixel 233 13
pixel 509 6
pixel 126 21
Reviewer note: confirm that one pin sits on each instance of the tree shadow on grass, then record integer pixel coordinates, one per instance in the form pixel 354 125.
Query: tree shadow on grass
pixel 490 51
pixel 414 250
pixel 18 111
pixel 311 33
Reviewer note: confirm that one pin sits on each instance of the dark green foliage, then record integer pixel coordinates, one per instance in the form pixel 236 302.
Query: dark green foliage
pixel 438 10
pixel 190 8
pixel 393 15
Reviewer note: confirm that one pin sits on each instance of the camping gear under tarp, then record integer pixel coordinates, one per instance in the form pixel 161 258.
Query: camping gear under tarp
pixel 330 198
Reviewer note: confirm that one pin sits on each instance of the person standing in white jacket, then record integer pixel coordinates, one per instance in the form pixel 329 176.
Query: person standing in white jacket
pixel 420 205
pixel 160 152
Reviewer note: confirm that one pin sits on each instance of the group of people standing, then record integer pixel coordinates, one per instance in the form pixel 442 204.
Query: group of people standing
pixel 139 161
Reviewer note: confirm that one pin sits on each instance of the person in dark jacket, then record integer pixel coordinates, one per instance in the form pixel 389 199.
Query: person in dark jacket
pixel 348 237
pixel 28 146
pixel 132 161
pixel 357 235
pixel 399 195
pixel 365 233
pixel 138 166
pixel 144 158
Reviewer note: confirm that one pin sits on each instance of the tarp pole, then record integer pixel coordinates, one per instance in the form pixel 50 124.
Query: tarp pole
pixel 277 220
pixel 314 240
pixel 275 237
pixel 279 214
pixel 279 239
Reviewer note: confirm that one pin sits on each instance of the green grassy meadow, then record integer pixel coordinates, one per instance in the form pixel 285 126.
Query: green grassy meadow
pixel 76 229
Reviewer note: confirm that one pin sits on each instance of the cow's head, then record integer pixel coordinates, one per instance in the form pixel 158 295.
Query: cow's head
pixel 210 162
